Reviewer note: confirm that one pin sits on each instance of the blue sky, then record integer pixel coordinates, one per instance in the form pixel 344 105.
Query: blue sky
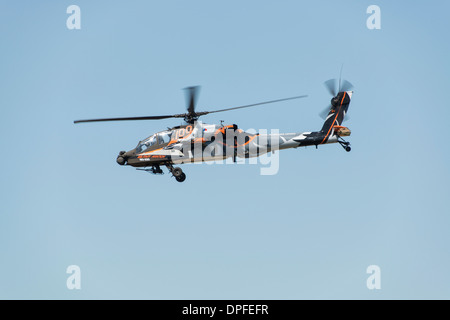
pixel 227 232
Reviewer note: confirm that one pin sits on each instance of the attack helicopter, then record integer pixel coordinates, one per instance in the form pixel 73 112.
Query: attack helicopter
pixel 196 141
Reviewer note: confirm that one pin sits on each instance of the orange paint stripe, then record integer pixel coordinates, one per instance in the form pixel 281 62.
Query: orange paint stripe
pixel 326 136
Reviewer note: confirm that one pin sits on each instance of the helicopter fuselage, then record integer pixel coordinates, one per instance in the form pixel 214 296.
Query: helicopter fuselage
pixel 201 142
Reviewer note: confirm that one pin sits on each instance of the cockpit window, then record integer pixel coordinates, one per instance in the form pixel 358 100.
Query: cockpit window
pixel 145 144
pixel 164 137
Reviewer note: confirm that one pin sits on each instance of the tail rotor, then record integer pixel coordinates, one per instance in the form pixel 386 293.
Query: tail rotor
pixel 334 87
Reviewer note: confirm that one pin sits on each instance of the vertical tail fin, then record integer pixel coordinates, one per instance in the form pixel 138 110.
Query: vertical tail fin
pixel 338 110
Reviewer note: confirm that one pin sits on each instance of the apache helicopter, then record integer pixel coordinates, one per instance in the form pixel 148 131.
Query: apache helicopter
pixel 198 142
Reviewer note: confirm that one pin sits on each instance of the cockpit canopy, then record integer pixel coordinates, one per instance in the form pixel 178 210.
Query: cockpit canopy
pixel 160 138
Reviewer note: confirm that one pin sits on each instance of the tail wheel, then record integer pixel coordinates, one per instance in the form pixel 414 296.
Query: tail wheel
pixel 181 178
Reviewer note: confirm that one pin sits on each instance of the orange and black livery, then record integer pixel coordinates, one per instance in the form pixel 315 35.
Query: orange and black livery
pixel 196 141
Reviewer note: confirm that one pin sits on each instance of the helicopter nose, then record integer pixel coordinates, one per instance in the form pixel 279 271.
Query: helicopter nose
pixel 122 158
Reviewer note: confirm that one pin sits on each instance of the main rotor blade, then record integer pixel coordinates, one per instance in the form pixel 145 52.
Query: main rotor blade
pixel 191 98
pixel 131 118
pixel 331 86
pixel 184 115
pixel 251 105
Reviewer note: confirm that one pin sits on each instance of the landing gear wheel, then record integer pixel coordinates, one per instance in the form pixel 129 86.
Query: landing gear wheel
pixel 348 148
pixel 177 172
pixel 181 178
